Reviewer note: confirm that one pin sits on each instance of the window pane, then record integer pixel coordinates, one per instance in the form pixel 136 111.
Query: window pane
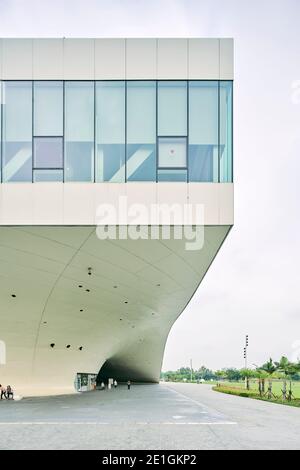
pixel 225 132
pixel 79 131
pixel 172 108
pixel 48 108
pixel 17 131
pixel 172 175
pixel 48 152
pixel 141 131
pixel 0 128
pixel 203 131
pixel 47 176
pixel 110 131
pixel 172 152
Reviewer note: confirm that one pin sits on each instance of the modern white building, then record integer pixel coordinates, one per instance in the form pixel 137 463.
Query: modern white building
pixel 88 125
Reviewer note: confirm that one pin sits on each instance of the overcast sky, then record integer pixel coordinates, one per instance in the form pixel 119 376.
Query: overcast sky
pixel 253 286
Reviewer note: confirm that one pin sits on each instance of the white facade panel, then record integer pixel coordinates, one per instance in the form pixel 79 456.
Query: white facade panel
pixel 109 59
pixel 204 59
pixel 77 203
pixel 48 207
pixel 207 195
pixel 226 59
pixel 79 59
pixel 17 59
pixel 48 59
pixel 116 59
pixel 172 59
pixel 141 59
pixel 17 204
pixel 226 204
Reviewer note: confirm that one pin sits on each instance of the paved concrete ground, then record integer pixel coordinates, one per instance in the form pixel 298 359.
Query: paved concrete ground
pixel 173 416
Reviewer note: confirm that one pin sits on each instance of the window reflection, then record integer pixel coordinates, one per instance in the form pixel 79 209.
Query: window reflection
pixel 17 131
pixel 110 131
pixel 116 131
pixel 79 131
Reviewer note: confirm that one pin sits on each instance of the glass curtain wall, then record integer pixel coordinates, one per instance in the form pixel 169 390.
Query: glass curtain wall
pixel 48 130
pixel 225 147
pixel 116 131
pixel 141 131
pixel 110 131
pixel 17 131
pixel 172 131
pixel 203 131
pixel 79 131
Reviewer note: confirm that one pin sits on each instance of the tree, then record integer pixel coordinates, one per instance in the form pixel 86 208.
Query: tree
pixel 233 375
pixel 246 374
pixel 269 367
pixel 287 368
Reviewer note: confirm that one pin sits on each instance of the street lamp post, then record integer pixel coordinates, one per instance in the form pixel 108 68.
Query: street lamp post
pixel 246 359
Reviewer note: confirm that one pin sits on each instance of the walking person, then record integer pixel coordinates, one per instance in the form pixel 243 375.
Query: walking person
pixel 128 385
pixel 3 392
pixel 9 392
pixel 115 383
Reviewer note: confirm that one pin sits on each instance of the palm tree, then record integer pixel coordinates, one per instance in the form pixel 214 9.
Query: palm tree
pixel 269 367
pixel 287 368
pixel 261 376
pixel 247 374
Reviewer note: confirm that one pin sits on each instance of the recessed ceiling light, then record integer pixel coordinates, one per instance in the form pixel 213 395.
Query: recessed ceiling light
pixel 80 349
pixel 87 290
pixel 52 345
pixel 126 302
pixel 80 287
pixel 81 310
pixel 45 323
pixel 121 319
pixel 68 346
pixel 158 285
pixel 115 287
pixel 13 295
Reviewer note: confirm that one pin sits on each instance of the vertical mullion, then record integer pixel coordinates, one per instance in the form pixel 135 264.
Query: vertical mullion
pixel 219 130
pixel 187 128
pixel 32 126
pixel 156 117
pixel 231 156
pixel 1 129
pixel 95 143
pixel 64 142
pixel 126 115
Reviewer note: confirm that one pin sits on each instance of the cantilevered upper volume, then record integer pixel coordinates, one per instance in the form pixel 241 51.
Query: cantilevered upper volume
pixel 116 194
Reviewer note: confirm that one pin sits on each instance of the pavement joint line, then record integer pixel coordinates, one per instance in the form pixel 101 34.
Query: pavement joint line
pixel 188 398
pixel 65 423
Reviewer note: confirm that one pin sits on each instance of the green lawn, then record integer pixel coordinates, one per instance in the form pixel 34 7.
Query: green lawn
pixel 276 386
pixel 238 388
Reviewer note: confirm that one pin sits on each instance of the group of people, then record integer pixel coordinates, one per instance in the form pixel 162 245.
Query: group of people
pixel 6 392
pixel 115 384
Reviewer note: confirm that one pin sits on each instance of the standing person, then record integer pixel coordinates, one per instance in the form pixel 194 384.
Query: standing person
pixel 128 385
pixel 115 383
pixel 9 392
pixel 3 392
